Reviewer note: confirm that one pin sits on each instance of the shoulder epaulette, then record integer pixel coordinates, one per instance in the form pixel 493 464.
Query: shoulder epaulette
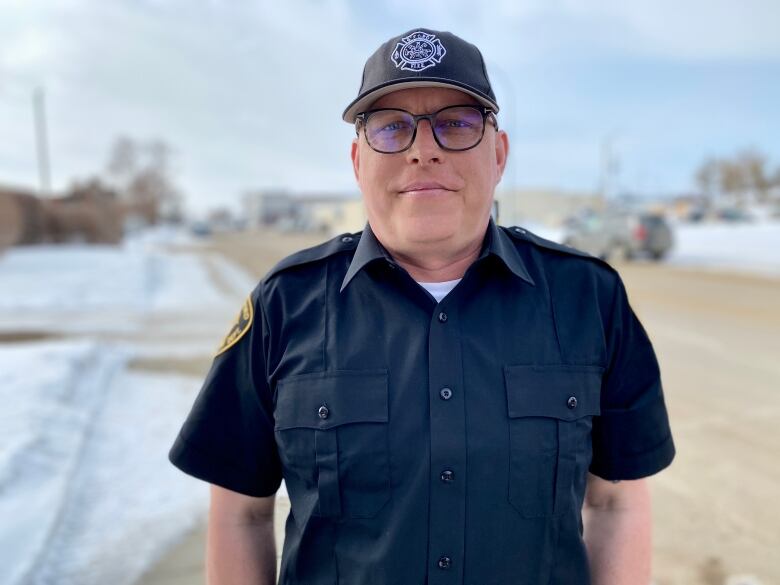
pixel 522 234
pixel 342 243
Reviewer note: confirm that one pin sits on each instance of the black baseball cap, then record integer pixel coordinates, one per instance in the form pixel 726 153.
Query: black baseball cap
pixel 423 58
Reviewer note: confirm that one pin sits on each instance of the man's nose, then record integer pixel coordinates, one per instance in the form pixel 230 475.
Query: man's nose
pixel 424 149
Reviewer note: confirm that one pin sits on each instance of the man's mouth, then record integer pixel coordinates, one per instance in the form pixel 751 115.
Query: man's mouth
pixel 422 188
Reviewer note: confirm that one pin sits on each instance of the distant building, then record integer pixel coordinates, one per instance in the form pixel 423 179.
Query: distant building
pixel 329 213
pixel 89 212
pixel 267 208
pixel 545 206
pixel 21 217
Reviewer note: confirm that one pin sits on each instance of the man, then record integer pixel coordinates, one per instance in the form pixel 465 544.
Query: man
pixel 447 400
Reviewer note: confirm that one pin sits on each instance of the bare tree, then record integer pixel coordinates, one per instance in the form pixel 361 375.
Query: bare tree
pixel 753 165
pixel 141 172
pixel 741 177
pixel 708 178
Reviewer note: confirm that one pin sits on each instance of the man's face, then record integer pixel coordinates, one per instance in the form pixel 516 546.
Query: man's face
pixel 427 198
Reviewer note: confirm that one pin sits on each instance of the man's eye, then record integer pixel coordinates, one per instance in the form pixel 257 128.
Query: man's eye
pixel 394 126
pixel 454 123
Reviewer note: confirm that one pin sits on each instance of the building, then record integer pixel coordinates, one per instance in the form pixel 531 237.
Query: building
pixel 328 213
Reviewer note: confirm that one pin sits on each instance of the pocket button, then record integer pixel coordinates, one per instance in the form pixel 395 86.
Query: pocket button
pixel 572 402
pixel 323 412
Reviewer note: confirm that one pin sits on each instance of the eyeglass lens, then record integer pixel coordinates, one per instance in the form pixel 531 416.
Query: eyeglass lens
pixel 456 128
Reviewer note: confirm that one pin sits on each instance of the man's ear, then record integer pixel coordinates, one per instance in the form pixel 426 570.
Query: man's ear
pixel 502 153
pixel 355 155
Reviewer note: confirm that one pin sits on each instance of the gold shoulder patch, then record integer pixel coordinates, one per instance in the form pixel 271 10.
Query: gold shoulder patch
pixel 241 325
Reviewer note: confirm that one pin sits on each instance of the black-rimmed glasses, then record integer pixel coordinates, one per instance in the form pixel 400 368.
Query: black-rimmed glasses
pixel 455 128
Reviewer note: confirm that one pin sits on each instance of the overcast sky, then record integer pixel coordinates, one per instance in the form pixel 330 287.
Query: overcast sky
pixel 250 94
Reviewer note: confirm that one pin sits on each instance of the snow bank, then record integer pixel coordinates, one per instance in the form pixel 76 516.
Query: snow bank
pixel 752 248
pixel 80 288
pixel 83 278
pixel 87 494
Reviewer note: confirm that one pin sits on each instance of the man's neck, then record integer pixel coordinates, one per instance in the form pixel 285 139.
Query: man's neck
pixel 438 266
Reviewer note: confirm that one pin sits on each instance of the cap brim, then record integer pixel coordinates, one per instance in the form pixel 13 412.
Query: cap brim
pixel 364 101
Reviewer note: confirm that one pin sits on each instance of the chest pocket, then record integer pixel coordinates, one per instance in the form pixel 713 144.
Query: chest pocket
pixel 331 430
pixel 550 411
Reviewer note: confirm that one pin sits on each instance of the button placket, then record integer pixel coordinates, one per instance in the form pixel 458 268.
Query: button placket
pixel 447 518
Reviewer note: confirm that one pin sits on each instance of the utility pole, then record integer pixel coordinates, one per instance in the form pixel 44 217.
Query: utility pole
pixel 41 141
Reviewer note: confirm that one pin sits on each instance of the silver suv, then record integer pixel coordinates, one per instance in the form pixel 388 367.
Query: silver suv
pixel 621 235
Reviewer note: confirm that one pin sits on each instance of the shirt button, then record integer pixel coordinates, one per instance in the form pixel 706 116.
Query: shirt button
pixel 442 317
pixel 447 475
pixel 445 393
pixel 323 412
pixel 445 562
pixel 572 402
pixel 347 239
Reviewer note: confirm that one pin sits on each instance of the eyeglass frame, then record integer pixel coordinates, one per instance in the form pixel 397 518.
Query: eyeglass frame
pixel 486 112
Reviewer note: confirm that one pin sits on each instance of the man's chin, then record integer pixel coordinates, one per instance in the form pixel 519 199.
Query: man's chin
pixel 428 238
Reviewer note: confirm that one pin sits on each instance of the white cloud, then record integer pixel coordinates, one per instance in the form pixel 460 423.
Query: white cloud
pixel 689 29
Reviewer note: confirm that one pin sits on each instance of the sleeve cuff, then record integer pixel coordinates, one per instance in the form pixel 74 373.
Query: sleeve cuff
pixel 207 466
pixel 638 465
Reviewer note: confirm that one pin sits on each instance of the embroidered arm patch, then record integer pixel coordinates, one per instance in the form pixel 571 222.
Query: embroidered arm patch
pixel 241 325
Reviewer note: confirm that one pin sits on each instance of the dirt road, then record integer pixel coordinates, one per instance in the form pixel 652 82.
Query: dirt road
pixel 717 338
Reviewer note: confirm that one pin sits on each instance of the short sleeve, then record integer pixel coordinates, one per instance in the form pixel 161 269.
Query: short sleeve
pixel 228 437
pixel 632 437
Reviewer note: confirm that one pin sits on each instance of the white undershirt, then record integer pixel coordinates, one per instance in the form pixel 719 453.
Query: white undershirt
pixel 439 290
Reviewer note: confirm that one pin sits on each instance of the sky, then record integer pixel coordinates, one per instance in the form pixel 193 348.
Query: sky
pixel 249 95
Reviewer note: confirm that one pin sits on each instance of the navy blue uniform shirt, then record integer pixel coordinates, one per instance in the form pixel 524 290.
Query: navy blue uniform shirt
pixel 445 443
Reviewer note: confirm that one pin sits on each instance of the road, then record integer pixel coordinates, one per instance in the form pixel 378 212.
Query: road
pixel 717 337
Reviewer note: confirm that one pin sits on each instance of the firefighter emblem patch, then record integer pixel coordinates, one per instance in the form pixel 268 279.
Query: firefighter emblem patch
pixel 418 51
pixel 241 325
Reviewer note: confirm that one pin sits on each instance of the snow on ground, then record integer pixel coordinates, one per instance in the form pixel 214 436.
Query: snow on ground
pixel 86 491
pixel 49 396
pixel 96 277
pixel 87 495
pixel 82 288
pixel 752 248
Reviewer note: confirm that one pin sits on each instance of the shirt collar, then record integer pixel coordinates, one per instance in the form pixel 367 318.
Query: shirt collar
pixel 368 250
pixel 499 243
pixel 496 243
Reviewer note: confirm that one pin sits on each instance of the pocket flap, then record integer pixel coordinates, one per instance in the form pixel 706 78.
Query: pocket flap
pixel 566 392
pixel 347 397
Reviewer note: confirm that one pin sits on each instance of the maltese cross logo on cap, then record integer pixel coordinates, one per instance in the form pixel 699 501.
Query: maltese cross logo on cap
pixel 418 51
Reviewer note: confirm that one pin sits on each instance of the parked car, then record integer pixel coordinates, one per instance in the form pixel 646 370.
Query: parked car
pixel 617 236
